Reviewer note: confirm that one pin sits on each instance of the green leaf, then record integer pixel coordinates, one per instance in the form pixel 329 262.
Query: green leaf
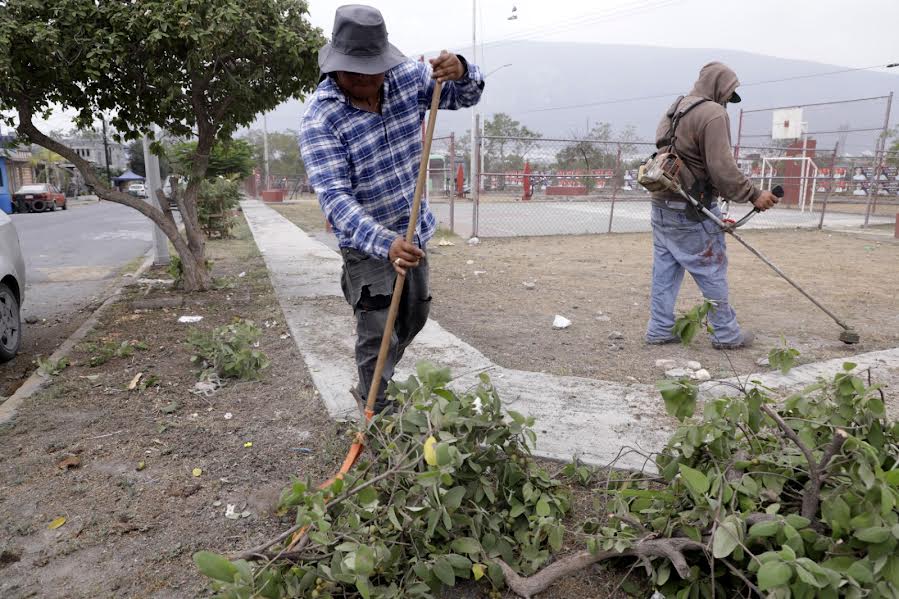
pixel 555 537
pixel 443 570
pixel 725 539
pixel 452 499
pixel 215 566
pixel 768 528
pixel 543 507
pixel 680 398
pixel 797 521
pixel 773 574
pixel 467 545
pixel 860 570
pixel 365 561
pixel 874 534
pixel 696 481
pixel 367 497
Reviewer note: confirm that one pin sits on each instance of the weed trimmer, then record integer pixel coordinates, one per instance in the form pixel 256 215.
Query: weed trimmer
pixel 359 442
pixel 848 335
pixel 660 173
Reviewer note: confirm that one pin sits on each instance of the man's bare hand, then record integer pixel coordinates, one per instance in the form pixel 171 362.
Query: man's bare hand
pixel 765 201
pixel 404 255
pixel 447 67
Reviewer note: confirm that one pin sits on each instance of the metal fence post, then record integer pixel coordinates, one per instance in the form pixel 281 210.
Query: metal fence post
pixel 830 184
pixel 614 186
pixel 452 183
pixel 476 177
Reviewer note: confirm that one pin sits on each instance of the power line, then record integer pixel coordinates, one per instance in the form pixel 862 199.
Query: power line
pixel 672 94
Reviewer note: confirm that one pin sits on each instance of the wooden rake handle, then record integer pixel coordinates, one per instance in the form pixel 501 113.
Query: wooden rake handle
pixel 410 237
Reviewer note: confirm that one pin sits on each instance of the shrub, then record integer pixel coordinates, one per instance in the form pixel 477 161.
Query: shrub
pixel 215 201
pixel 230 351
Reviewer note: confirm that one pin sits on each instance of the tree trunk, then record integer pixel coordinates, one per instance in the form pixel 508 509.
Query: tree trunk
pixel 192 252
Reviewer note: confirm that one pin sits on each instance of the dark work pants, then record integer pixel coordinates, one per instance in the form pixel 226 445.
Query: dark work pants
pixel 367 284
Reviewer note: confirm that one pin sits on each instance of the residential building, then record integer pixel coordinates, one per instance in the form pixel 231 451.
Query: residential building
pixel 15 169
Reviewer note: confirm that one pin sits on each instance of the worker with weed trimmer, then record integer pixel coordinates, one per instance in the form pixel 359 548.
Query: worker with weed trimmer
pixel 361 140
pixel 696 129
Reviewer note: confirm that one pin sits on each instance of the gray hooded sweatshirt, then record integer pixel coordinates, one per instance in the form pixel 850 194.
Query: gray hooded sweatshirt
pixel 703 137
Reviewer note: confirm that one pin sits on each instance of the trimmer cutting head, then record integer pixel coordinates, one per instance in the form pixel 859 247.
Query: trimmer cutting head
pixel 849 337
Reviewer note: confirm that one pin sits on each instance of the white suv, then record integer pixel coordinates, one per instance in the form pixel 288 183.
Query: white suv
pixel 12 289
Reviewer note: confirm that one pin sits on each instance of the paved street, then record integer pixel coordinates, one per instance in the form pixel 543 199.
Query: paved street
pixel 71 256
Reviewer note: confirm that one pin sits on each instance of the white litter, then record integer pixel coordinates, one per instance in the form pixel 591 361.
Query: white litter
pixel 241 275
pixel 480 272
pixel 694 365
pixel 529 284
pixel 228 415
pixel 763 362
pixel 469 262
pixel 478 407
pixel 560 322
pixel 230 514
pixel 190 319
pixel 474 241
pixel 285 336
pixel 445 242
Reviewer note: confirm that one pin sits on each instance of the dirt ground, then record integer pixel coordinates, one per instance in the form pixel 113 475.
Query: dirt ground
pixel 602 282
pixel 131 532
pixel 134 511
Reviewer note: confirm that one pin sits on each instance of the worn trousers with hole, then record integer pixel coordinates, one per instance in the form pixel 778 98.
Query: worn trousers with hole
pixel 680 244
pixel 367 284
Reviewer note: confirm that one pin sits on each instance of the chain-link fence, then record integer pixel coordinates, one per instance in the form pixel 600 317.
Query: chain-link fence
pixel 530 186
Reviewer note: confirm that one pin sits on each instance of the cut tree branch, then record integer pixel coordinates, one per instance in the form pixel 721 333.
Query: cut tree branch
pixel 672 548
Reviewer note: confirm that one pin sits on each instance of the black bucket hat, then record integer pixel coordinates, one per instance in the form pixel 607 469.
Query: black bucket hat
pixel 359 43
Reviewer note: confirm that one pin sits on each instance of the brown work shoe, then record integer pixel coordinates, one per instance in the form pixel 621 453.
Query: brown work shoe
pixel 745 341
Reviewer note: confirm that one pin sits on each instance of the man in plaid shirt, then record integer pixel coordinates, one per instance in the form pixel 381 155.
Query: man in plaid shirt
pixel 361 144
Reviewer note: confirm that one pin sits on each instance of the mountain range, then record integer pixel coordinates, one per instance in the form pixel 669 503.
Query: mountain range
pixel 627 85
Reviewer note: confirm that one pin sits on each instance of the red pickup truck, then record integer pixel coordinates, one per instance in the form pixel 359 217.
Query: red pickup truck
pixel 38 197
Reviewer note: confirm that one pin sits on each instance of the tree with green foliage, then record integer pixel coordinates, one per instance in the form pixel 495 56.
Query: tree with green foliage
pixel 195 69
pixel 135 151
pixel 284 159
pixel 510 143
pixel 231 158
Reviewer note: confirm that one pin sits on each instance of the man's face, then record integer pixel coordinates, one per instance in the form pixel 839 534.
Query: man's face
pixel 358 85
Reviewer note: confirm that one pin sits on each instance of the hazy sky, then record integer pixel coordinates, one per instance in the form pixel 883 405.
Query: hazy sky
pixel 856 34
pixel 859 34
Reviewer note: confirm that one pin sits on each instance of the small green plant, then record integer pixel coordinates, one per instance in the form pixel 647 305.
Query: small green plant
pixel 112 349
pixel 784 357
pixel 230 351
pixel 50 367
pixel 176 269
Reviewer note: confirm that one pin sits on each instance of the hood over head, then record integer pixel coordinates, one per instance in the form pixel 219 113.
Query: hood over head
pixel 717 82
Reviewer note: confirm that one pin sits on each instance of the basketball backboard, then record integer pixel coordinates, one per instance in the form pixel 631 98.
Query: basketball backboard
pixel 787 123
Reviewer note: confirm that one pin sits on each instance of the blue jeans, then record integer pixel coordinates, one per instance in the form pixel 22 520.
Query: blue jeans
pixel 679 244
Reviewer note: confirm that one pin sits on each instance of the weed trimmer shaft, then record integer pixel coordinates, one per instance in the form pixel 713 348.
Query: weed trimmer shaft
pixel 847 336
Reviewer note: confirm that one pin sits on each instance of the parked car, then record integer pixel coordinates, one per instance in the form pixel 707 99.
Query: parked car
pixel 38 197
pixel 138 189
pixel 12 289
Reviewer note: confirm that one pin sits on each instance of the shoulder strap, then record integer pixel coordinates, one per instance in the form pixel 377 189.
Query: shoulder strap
pixel 678 115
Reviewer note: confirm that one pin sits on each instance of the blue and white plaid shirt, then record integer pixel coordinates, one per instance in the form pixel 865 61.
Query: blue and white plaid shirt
pixel 364 165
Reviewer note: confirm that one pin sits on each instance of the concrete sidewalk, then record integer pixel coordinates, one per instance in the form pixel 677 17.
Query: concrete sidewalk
pixel 589 418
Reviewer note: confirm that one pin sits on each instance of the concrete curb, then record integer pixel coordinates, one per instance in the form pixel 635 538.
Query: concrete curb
pixel 38 381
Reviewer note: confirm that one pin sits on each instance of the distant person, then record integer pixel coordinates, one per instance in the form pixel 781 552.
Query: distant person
pixel 361 144
pixel 683 239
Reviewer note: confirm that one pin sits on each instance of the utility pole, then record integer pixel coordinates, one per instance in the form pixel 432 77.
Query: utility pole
pixel 154 183
pixel 474 111
pixel 267 184
pixel 106 151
